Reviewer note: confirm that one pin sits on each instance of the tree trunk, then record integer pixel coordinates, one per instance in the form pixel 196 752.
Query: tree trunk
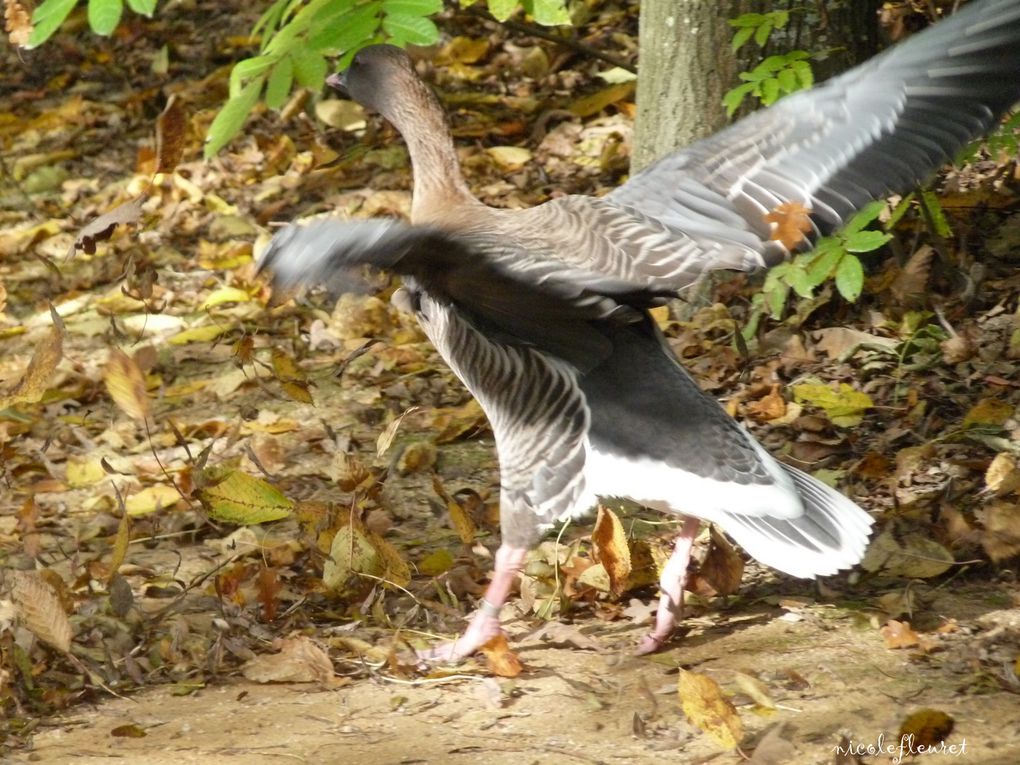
pixel 685 68
pixel 686 65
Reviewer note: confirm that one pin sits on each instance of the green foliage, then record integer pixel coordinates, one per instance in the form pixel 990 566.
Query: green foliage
pixel 776 75
pixel 757 25
pixel 834 257
pixel 1003 143
pixel 103 16
pixel 771 79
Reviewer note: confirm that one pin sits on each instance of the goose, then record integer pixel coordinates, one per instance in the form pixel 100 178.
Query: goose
pixel 543 313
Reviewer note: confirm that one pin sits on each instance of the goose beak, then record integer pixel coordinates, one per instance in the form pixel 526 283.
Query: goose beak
pixel 338 82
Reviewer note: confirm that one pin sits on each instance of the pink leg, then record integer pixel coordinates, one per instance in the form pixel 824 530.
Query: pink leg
pixel 485 624
pixel 671 585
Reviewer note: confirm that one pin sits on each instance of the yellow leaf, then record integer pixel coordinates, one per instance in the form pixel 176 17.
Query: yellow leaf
pixel 84 471
pixel 237 497
pixel 120 545
pixel 152 498
pixel 351 553
pixel 509 158
pixel 705 706
pixel 844 406
pixel 611 550
pixel 225 295
pixel 203 334
pixel 126 385
pixel 593 104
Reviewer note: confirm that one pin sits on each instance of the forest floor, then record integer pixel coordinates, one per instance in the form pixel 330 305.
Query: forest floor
pixel 145 618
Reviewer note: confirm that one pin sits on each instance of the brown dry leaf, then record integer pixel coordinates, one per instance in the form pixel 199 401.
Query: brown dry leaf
pixel 101 228
pixel 501 661
pixel 988 411
pixel 385 439
pixel 1003 476
pixel 609 541
pixel 705 706
pixel 769 407
pixel 129 730
pixel 926 728
pixel 792 220
pixel 395 568
pixel 460 519
pixel 911 284
pixel 292 378
pixel 1001 537
pixel 300 660
pixel 126 385
pixel 120 544
pixel 40 610
pixel 911 555
pixel 899 635
pixel 32 385
pixel 723 567
pixel 775 748
pixel 171 130
pixel 754 688
pixel 18 22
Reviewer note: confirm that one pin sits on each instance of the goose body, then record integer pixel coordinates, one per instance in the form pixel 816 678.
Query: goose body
pixel 543 313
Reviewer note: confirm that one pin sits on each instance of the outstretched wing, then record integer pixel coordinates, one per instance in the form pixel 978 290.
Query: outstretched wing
pixel 825 153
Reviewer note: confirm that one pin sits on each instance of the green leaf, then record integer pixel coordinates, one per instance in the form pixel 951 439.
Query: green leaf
pixel 47 19
pixel 850 277
pixel 798 279
pixel 236 497
pixel 740 37
pixel 804 73
pixel 551 13
pixel 761 34
pixel 935 214
pixel 412 7
pixel 733 97
pixel 899 211
pixel 502 9
pixel 776 300
pixel 143 7
pixel 246 69
pixel 309 68
pixel 280 81
pixel 866 241
pixel 104 15
pixel 864 216
pixel 231 117
pixel 770 91
pixel 413 30
pixel 751 20
pixel 780 18
pixel 788 81
pixel 823 265
pixel 353 31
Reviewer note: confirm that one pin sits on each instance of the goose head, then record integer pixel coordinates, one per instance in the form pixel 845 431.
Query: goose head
pixel 382 78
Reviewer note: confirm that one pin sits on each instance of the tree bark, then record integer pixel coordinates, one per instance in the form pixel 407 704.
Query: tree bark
pixel 685 68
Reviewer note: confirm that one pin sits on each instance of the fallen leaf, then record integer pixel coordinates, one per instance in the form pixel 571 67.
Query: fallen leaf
pixel 131 730
pixel 723 568
pixel 770 407
pixel 40 611
pixel 126 385
pixel 988 411
pixel 1001 536
pixel 707 709
pixel 385 439
pixel 912 556
pixel 774 748
pixel 899 635
pixel 1002 475
pixel 18 22
pixel 754 688
pixel 844 406
pixel 609 546
pixel 236 497
pixel 501 661
pixel 300 660
pixel 41 368
pixel 171 130
pixel 791 220
pixel 101 228
pixel 926 728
